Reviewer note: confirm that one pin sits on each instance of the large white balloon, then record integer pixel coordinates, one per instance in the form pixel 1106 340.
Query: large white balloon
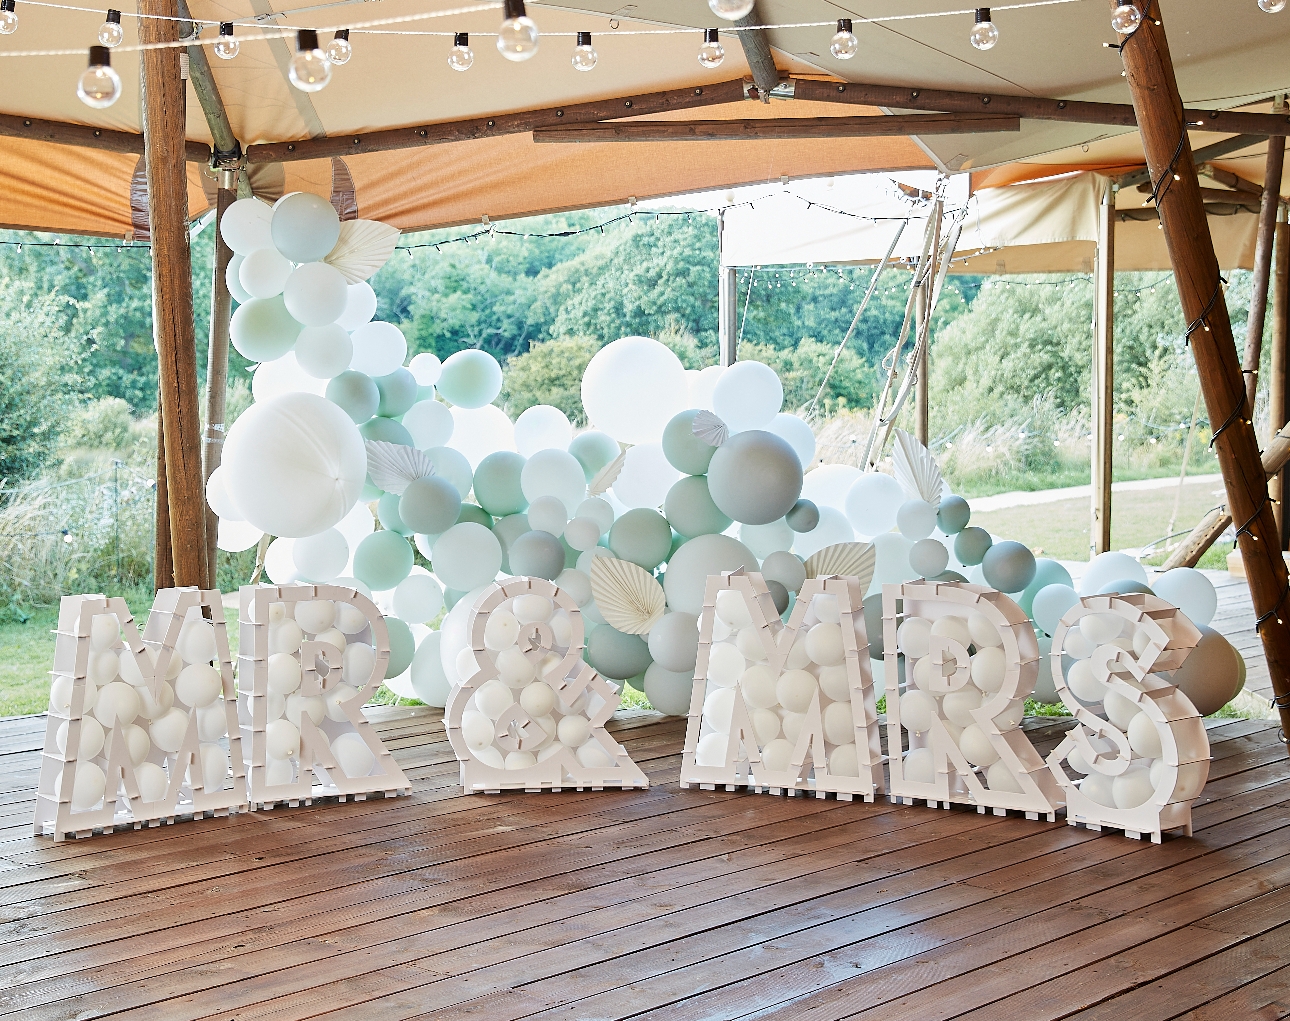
pixel 632 388
pixel 702 385
pixel 646 477
pixel 1109 567
pixel 245 226
pixel 379 349
pixel 316 294
pixel 284 376
pixel 795 432
pixel 542 427
pixel 324 351
pixel 872 503
pixel 478 432
pixel 236 536
pixel 296 464
pixel 321 557
pixel 360 306
pixel 219 499
pixel 426 368
pixel 554 473
pixel 829 484
pixel 833 528
pixel 748 396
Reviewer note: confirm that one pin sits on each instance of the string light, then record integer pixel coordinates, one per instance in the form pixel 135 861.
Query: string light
pixel 844 44
pixel 110 32
pixel 517 39
pixel 310 70
pixel 99 86
pixel 8 17
pixel 1125 19
pixel 461 56
pixel 339 50
pixel 711 53
pixel 731 10
pixel 1272 7
pixel 983 35
pixel 584 57
pixel 226 46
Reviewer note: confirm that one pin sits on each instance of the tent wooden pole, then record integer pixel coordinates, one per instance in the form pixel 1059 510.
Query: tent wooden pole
pixel 163 102
pixel 1103 377
pixel 1263 265
pixel 1163 128
pixel 779 128
pixel 217 360
pixel 1280 357
pixel 163 564
pixel 761 62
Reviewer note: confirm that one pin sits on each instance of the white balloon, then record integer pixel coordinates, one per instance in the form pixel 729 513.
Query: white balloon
pixel 428 679
pixel 542 427
pixel 315 294
pixel 764 540
pixel 360 306
pixel 831 529
pixel 264 273
pixel 1190 591
pixel 321 557
pixel 873 502
pixel 702 385
pixel 1106 568
pixel 646 477
pixel 426 367
pixel 478 432
pixel 219 499
pixel 554 473
pixel 245 226
pixel 356 526
pixel 236 536
pixel 379 349
pixel 233 280
pixel 796 433
pixel 466 556
pixel 283 376
pixel 305 226
pixel 632 388
pixel 418 597
pixel 748 396
pixel 296 465
pixel 280 562
pixel 430 423
pixel 829 484
pixel 324 351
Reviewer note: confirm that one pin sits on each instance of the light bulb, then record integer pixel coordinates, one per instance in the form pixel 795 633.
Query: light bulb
pixel 731 10
pixel 983 34
pixel 845 44
pixel 1272 7
pixel 8 18
pixel 461 56
pixel 226 46
pixel 339 50
pixel 517 39
pixel 110 32
pixel 584 57
pixel 1125 19
pixel 711 53
pixel 99 86
pixel 310 70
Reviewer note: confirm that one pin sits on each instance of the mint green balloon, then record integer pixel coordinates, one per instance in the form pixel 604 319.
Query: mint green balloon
pixel 451 597
pixel 355 393
pixel 617 655
pixel 690 510
pixel 263 329
pixel 497 483
pixel 402 646
pixel 370 491
pixel 470 379
pixel 430 506
pixel 594 450
pixel 1047 572
pixel 642 536
pixel 684 451
pixel 382 560
pixel 386 429
pixel 471 512
pixel 452 465
pixel 398 393
pixel 387 510
pixel 507 530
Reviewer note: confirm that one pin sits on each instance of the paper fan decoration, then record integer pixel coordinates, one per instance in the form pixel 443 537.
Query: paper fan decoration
pixel 627 596
pixel 607 475
pixel 394 466
pixel 709 428
pixel 363 248
pixel 916 470
pixel 845 560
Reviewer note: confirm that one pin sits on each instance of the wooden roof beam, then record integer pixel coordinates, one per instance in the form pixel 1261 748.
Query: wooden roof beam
pixel 1209 152
pixel 783 128
pixel 88 137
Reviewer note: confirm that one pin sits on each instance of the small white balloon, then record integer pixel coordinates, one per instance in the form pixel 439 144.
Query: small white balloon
pixel 426 368
pixel 379 349
pixel 797 434
pixel 264 273
pixel 324 351
pixel 245 226
pixel 430 423
pixel 360 306
pixel 541 427
pixel 747 396
pixel 478 432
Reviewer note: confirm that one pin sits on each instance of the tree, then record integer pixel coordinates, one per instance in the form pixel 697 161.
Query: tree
pixel 548 373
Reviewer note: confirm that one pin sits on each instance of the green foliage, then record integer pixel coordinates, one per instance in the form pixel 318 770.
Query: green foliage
pixel 548 373
pixel 852 384
pixel 103 424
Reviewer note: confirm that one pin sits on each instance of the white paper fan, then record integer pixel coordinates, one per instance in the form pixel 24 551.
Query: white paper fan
pixel 845 560
pixel 709 428
pixel 607 475
pixel 364 247
pixel 627 596
pixel 916 470
pixel 394 466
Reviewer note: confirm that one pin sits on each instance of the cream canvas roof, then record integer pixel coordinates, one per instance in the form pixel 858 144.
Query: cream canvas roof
pixel 1225 57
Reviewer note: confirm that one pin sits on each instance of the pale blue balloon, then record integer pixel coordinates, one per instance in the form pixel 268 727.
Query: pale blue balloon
pixel 1050 603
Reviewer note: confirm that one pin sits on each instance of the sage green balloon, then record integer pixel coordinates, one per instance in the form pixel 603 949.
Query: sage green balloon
pixel 497 483
pixel 477 514
pixel 387 511
pixel 356 394
pixel 971 545
pixel 571 555
pixel 507 530
pixel 690 510
pixel 398 393
pixel 785 568
pixel 1047 572
pixel 262 329
pixel 402 646
pixel 382 560
pixel 873 625
pixel 451 597
pixel 430 506
pixel 642 536
pixel 684 451
pixel 452 465
pixel 617 655
pixel 685 581
pixel 953 515
pixel 637 683
pixel 470 379
pixel 594 450
pixel 386 429
pixel 537 554
pixel 804 516
pixel 779 594
pixel 755 477
pixel 678 540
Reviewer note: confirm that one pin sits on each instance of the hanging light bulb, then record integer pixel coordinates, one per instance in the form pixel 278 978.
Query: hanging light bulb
pixel 110 32
pixel 99 86
pixel 584 57
pixel 844 44
pixel 339 50
pixel 226 46
pixel 1125 19
pixel 517 39
pixel 983 34
pixel 731 10
pixel 461 56
pixel 310 70
pixel 1272 7
pixel 8 18
pixel 711 53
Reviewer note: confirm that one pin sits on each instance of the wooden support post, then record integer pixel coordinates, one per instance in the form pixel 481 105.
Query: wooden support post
pixel 1103 377
pixel 1159 110
pixel 163 564
pixel 920 385
pixel 761 62
pixel 727 301
pixel 1278 412
pixel 1263 265
pixel 217 360
pixel 163 102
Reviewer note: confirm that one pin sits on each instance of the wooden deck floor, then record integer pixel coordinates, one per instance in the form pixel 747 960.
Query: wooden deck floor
pixel 664 904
